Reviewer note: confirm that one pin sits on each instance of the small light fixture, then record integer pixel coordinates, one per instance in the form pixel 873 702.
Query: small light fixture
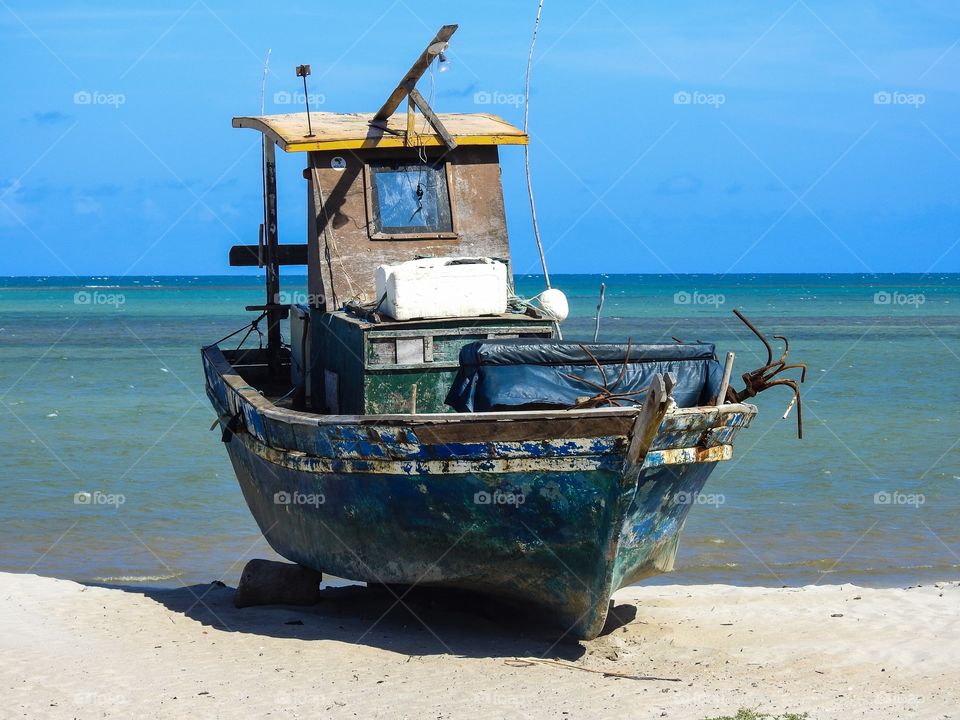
pixel 443 63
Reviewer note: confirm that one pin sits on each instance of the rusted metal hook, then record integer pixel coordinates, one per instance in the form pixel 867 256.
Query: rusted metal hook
pixel 763 378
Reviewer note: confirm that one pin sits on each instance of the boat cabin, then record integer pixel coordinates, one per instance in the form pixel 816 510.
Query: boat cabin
pixel 411 304
pixel 413 191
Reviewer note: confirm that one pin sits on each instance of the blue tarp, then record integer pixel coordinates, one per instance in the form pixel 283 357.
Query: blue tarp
pixel 536 374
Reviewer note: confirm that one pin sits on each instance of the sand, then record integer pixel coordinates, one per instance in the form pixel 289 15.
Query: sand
pixel 78 651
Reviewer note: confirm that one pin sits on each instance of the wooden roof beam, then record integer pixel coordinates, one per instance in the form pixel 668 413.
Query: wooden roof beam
pixel 414 74
pixel 431 117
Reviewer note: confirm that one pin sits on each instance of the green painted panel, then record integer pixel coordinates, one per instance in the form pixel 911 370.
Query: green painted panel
pixel 391 392
pixel 372 368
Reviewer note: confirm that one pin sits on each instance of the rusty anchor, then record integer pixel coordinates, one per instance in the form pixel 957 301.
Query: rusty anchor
pixel 762 378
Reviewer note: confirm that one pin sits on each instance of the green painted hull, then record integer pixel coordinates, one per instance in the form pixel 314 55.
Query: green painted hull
pixel 560 521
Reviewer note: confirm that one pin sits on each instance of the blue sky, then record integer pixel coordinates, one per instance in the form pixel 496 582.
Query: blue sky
pixel 781 136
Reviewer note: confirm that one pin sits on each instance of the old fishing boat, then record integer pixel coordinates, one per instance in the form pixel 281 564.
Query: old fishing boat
pixel 423 426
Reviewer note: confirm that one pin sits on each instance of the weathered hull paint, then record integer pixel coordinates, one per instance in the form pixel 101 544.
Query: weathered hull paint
pixel 561 523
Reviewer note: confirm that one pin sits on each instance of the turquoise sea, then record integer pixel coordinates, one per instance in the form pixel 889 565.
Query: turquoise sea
pixel 101 392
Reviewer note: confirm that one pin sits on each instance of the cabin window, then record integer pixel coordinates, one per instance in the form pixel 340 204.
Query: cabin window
pixel 409 200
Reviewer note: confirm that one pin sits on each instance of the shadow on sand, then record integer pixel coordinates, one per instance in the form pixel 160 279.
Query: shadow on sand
pixel 427 621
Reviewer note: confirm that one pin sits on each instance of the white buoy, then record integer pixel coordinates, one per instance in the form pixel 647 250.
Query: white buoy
pixel 555 304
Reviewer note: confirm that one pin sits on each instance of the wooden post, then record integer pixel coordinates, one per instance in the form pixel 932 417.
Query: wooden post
pixel 428 113
pixel 411 123
pixel 272 264
pixel 725 382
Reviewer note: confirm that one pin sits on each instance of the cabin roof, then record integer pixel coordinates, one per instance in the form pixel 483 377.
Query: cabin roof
pixel 353 131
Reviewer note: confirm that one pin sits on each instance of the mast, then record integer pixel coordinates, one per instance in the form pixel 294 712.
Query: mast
pixel 273 308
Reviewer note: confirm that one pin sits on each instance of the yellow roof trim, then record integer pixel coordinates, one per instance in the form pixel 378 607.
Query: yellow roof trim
pixel 352 131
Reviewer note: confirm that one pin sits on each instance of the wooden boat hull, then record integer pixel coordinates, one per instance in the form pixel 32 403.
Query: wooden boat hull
pixel 547 508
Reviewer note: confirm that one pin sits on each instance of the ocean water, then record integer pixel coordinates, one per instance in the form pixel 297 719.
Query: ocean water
pixel 101 392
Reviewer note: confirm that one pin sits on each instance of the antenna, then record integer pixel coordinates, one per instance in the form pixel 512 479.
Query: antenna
pixel 263 80
pixel 303 71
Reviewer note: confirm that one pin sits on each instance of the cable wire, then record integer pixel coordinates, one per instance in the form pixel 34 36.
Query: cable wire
pixel 526 148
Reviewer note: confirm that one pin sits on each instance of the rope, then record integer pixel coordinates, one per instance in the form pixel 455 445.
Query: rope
pixel 252 326
pixel 526 148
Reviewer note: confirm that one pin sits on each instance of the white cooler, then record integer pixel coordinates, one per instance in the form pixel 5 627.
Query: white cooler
pixel 444 287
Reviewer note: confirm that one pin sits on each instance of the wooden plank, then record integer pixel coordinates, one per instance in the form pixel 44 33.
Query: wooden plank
pixel 645 428
pixel 529 430
pixel 381 352
pixel 388 141
pixel 352 131
pixel 409 350
pixel 421 102
pixel 411 122
pixel 416 71
pixel 249 255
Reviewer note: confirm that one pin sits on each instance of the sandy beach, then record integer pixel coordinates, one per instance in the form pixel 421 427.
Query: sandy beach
pixel 78 651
